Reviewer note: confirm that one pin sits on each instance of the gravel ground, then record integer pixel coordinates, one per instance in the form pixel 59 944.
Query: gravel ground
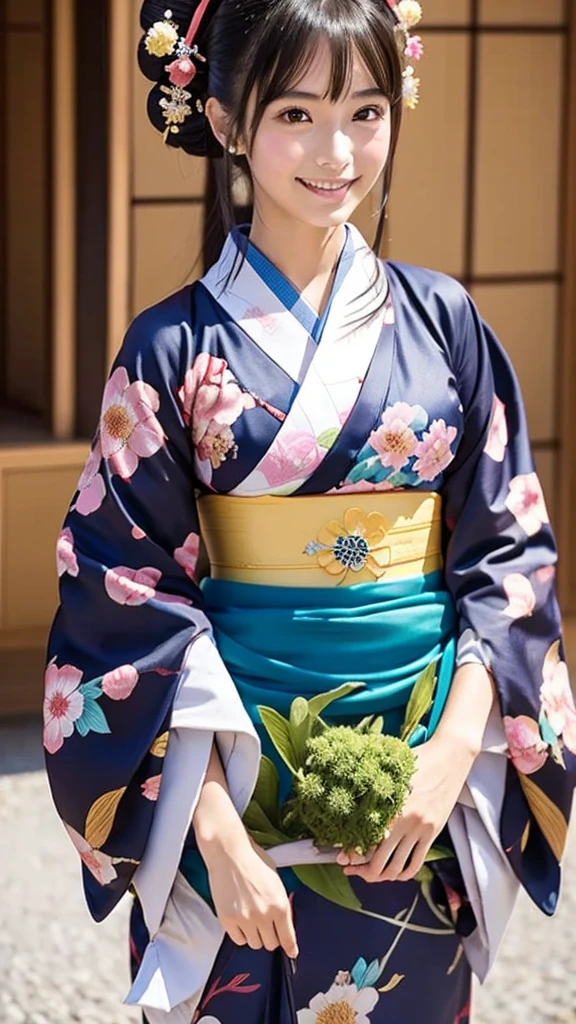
pixel 57 967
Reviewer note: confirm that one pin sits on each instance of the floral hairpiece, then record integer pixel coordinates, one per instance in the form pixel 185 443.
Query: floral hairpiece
pixel 408 14
pixel 164 39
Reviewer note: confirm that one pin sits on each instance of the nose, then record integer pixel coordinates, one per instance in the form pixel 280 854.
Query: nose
pixel 336 152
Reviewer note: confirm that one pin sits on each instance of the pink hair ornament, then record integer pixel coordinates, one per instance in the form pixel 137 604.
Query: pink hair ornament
pixel 408 14
pixel 164 39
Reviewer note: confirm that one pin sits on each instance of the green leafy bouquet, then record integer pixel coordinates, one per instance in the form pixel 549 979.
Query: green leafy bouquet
pixel 349 783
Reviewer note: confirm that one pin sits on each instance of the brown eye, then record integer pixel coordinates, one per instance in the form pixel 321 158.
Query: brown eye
pixel 295 116
pixel 370 114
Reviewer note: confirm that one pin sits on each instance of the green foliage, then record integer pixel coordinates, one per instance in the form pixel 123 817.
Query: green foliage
pixel 352 785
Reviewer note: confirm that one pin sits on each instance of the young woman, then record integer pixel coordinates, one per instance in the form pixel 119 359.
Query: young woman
pixel 348 438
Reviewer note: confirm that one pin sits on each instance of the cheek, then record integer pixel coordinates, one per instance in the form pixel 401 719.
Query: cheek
pixel 275 156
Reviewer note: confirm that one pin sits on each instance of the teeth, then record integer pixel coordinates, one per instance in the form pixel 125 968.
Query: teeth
pixel 326 186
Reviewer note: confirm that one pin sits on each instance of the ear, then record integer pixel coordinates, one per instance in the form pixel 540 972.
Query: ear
pixel 220 123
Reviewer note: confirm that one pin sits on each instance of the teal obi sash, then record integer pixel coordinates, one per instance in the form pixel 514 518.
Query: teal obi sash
pixel 282 642
pixel 279 643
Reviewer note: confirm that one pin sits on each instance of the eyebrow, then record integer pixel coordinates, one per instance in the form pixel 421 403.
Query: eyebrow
pixel 298 94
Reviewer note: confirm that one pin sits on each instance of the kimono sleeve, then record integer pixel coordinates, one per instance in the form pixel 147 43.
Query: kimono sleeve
pixel 500 568
pixel 131 648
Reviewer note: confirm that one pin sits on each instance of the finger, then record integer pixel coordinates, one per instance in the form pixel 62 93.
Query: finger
pixel 284 925
pixel 252 935
pixel 269 937
pixel 417 862
pixel 399 862
pixel 371 872
pixel 237 935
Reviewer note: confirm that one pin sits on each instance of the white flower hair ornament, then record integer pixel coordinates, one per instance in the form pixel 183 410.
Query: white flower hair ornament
pixel 408 14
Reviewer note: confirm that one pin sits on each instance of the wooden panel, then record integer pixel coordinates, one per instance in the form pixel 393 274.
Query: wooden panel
pixel 525 318
pixel 159 170
pixel 32 478
pixel 167 251
pixel 32 12
pixel 427 207
pixel 522 12
pixel 26 216
pixel 518 170
pixel 446 12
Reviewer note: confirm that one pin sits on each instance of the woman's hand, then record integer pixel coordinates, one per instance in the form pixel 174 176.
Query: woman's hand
pixel 441 772
pixel 250 900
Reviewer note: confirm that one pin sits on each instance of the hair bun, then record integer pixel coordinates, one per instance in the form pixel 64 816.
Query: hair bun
pixel 176 103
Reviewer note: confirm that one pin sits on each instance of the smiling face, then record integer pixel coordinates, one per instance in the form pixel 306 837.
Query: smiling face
pixel 314 160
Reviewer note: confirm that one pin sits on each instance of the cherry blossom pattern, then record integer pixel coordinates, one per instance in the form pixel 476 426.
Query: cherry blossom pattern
pixel 395 440
pixel 187 555
pixel 66 560
pixel 526 748
pixel 134 587
pixel 497 441
pixel 358 543
pixel 129 428
pixel 434 453
pixel 520 594
pixel 558 709
pixel 99 864
pixel 91 485
pixel 137 533
pixel 403 451
pixel 211 402
pixel 63 704
pixel 151 787
pixel 526 503
pixel 119 684
pixel 342 1004
pixel 292 457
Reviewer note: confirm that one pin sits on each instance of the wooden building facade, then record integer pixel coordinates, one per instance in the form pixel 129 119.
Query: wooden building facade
pixel 98 220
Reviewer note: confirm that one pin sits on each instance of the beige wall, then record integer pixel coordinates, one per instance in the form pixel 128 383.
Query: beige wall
pixel 478 179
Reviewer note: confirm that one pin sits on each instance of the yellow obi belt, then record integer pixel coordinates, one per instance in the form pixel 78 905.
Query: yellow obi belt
pixel 324 540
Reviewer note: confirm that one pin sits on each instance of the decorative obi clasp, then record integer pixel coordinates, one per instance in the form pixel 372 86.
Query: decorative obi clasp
pixel 324 540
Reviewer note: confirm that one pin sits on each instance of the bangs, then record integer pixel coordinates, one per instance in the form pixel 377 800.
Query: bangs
pixel 295 30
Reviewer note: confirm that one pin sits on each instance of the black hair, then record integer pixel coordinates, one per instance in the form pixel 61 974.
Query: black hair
pixel 261 48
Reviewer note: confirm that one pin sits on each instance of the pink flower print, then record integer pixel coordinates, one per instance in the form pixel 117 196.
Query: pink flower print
pixel 545 574
pixel 63 704
pixel 264 320
pixel 526 503
pixel 91 486
pixel 395 441
pixel 210 394
pixel 136 586
pixel 151 788
pixel 119 684
pixel 131 586
pixel 557 699
pixel 292 457
pixel 498 433
pixel 434 453
pixel 129 429
pixel 415 48
pixel 99 864
pixel 526 748
pixel 520 594
pixel 66 560
pixel 187 555
pixel 216 445
pixel 137 533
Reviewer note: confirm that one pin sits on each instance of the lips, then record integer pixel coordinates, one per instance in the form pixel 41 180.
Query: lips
pixel 332 189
